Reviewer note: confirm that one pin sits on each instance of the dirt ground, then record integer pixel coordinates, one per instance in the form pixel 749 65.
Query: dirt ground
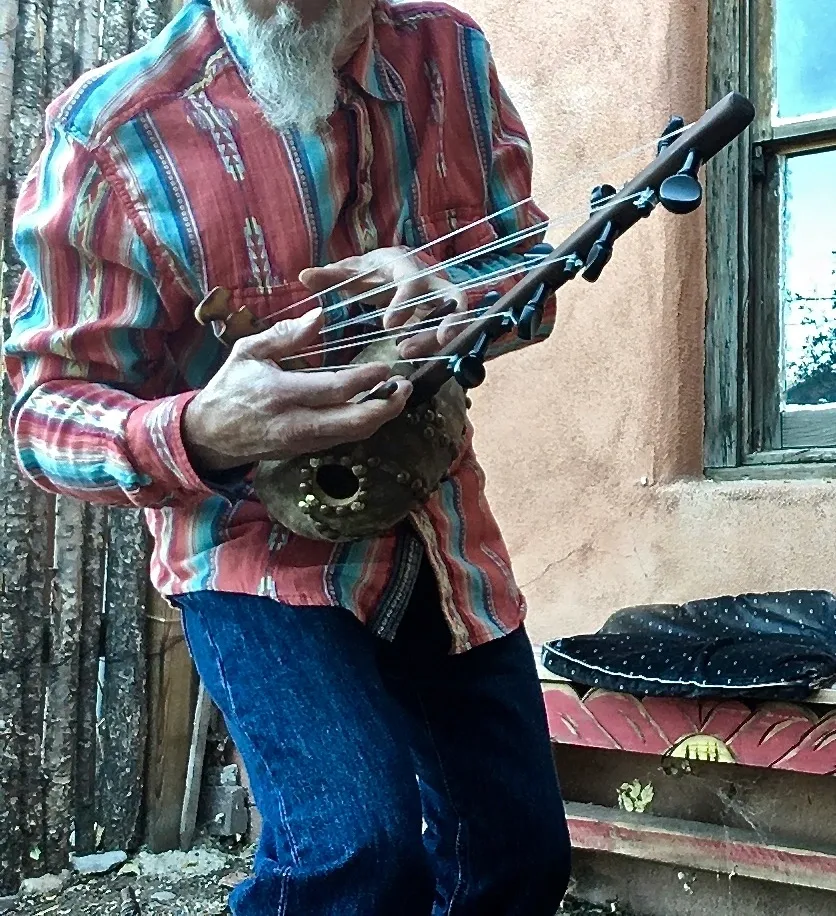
pixel 196 883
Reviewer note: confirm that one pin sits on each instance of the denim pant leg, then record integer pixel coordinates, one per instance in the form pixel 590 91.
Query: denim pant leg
pixel 327 755
pixel 497 836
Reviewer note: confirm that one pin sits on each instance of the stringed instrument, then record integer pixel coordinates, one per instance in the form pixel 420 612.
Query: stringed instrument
pixel 361 490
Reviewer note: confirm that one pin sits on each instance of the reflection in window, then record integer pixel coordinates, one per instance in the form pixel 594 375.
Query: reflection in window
pixel 804 57
pixel 808 278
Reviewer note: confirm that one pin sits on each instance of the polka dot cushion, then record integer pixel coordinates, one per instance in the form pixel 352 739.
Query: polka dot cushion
pixel 773 646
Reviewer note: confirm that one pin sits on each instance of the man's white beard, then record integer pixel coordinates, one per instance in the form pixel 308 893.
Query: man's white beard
pixel 291 69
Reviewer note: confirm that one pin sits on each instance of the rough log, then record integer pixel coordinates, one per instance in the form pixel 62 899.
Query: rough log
pixel 8 36
pixel 92 592
pixel 123 719
pixel 117 20
pixel 88 51
pixel 60 47
pixel 149 20
pixel 27 115
pixel 60 720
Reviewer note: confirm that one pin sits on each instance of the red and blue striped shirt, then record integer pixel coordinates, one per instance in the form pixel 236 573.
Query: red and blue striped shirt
pixel 160 180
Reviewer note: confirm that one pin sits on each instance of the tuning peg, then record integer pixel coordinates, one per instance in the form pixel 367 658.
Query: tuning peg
pixel 675 124
pixel 600 253
pixel 682 193
pixel 540 250
pixel 601 193
pixel 531 316
pixel 469 369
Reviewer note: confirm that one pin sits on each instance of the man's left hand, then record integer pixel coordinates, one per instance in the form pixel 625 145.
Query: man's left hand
pixel 385 266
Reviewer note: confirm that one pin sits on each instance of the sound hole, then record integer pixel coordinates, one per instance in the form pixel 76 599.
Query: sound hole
pixel 337 482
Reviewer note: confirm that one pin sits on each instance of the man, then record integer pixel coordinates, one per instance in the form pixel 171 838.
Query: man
pixel 274 151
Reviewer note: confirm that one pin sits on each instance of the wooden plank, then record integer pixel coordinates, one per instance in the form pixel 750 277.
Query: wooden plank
pixel 802 128
pixel 727 267
pixel 123 718
pixel 794 456
pixel 810 427
pixel 93 566
pixel 194 773
pixel 783 472
pixel 171 685
pixel 707 847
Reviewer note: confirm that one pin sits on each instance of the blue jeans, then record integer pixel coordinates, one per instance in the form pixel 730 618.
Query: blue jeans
pixel 334 725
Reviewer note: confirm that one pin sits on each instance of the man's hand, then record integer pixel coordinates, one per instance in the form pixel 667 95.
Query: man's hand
pixel 252 410
pixel 389 266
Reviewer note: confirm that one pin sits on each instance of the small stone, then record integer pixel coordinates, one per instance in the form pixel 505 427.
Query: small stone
pixel 315 462
pixel 99 863
pixel 233 879
pixel 229 775
pixel 358 470
pixel 163 896
pixel 305 473
pixel 373 462
pixel 357 507
pixel 345 461
pixel 341 510
pixel 43 886
pixel 429 432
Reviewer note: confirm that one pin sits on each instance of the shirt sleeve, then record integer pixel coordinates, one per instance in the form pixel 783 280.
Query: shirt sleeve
pixel 97 413
pixel 509 181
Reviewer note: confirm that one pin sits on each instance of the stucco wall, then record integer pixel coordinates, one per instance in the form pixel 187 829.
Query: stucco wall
pixel 592 441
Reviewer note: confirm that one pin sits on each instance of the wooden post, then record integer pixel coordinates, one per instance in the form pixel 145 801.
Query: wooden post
pixel 194 772
pixel 60 721
pixel 123 723
pixel 171 688
pixel 92 595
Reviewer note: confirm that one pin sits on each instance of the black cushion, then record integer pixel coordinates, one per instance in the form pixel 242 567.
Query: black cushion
pixel 775 646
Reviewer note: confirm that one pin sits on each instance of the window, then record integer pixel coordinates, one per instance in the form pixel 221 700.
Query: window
pixel 771 325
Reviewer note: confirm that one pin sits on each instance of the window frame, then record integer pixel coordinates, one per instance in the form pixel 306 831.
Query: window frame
pixel 746 434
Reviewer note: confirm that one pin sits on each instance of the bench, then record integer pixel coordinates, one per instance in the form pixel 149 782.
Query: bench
pixel 795 737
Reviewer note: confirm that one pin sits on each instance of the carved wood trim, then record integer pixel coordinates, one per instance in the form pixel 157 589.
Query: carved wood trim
pixel 782 736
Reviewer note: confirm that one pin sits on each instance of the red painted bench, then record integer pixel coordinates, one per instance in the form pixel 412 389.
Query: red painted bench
pixel 796 737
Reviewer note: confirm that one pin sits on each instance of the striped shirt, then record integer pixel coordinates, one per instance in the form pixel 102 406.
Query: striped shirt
pixel 160 180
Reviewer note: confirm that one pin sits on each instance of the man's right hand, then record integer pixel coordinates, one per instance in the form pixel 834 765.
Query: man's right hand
pixel 253 411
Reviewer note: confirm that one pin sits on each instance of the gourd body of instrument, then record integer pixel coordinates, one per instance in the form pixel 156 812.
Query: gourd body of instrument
pixel 361 489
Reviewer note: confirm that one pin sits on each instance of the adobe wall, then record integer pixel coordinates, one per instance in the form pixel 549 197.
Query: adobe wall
pixel 592 441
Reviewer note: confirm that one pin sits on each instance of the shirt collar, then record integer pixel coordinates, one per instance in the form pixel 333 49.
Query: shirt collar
pixel 372 71
pixel 368 68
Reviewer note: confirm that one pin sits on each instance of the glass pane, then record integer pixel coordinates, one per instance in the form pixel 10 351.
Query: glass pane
pixel 808 278
pixel 805 61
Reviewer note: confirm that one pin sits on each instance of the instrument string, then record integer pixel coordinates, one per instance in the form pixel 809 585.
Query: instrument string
pixel 406 330
pixel 467 317
pixel 466 255
pixel 500 273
